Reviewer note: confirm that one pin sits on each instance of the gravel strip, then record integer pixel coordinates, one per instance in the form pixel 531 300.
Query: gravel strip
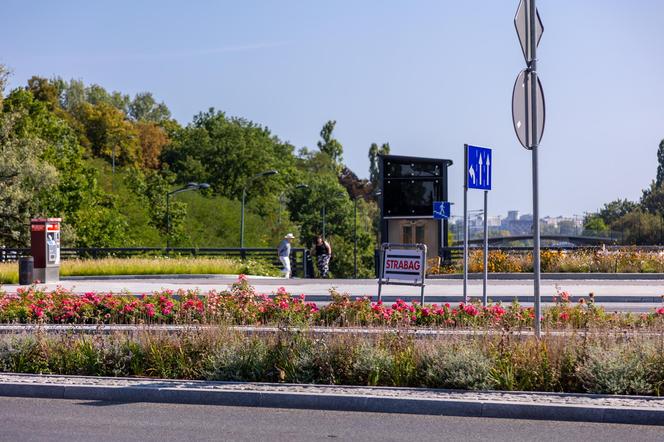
pixel 585 400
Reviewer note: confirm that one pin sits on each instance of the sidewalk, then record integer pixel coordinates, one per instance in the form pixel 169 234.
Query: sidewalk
pixel 514 405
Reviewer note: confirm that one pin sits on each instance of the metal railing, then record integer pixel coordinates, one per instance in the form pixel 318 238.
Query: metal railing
pixel 299 256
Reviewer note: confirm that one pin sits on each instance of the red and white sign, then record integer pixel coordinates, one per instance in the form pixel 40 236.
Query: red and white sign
pixel 404 264
pixel 53 227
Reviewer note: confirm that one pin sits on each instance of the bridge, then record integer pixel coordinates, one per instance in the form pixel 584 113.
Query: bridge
pixel 576 240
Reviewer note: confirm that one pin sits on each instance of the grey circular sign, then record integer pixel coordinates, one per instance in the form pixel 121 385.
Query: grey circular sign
pixel 522 108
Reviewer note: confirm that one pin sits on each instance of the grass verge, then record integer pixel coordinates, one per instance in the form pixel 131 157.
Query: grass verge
pixel 150 266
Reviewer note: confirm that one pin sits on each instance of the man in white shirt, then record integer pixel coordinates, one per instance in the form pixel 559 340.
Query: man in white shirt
pixel 283 250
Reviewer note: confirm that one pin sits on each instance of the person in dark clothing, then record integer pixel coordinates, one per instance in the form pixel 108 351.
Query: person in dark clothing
pixel 323 253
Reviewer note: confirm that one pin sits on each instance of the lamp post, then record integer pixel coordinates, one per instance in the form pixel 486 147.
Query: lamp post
pixel 244 196
pixel 355 238
pixel 189 186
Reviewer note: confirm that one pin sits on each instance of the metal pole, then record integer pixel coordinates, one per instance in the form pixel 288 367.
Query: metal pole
pixel 535 142
pixel 486 249
pixel 465 223
pixel 323 222
pixel 168 221
pixel 355 234
pixel 244 194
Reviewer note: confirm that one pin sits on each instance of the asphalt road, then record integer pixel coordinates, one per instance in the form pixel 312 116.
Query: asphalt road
pixel 72 420
pixel 632 292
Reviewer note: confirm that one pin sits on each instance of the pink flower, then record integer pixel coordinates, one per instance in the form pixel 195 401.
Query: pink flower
pixel 660 311
pixel 564 316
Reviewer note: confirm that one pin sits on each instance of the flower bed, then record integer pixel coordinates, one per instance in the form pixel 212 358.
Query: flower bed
pixel 241 305
pixel 561 261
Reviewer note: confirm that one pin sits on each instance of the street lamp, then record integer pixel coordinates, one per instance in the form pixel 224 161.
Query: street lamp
pixel 244 195
pixel 376 193
pixel 189 186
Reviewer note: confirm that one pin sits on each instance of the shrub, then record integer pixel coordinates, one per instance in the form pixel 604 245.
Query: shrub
pixel 616 368
pixel 458 367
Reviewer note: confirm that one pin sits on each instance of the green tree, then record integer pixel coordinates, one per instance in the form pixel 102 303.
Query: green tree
pixel 226 152
pixel 652 199
pixel 145 108
pixel 25 181
pixel 614 210
pixel 640 228
pixel 330 145
pixel 75 194
pixel 595 223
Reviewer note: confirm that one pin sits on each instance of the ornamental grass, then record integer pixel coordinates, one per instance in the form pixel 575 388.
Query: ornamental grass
pixel 150 266
pixel 612 364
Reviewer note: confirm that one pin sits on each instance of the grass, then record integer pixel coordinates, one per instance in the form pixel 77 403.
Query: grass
pixel 149 266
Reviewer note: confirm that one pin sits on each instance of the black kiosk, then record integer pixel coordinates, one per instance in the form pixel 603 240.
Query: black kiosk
pixel 409 186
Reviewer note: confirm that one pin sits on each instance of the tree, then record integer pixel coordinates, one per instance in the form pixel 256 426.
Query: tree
pixel 43 90
pixel 374 169
pixel 152 139
pixel 110 134
pixel 595 223
pixel 652 199
pixel 72 191
pixel 616 209
pixel 145 108
pixel 640 228
pixel 660 165
pixel 24 181
pixel 225 152
pixel 329 145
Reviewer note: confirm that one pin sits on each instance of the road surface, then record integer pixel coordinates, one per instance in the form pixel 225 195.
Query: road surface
pixel 622 295
pixel 75 420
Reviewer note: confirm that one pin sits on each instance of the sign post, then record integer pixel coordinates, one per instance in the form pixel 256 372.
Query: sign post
pixel 478 167
pixel 403 264
pixel 528 113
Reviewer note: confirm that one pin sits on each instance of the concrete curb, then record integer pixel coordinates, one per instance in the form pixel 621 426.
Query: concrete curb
pixel 560 276
pixel 473 276
pixel 161 392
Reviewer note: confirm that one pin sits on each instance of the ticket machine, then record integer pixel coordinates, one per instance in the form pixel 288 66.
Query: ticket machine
pixel 45 245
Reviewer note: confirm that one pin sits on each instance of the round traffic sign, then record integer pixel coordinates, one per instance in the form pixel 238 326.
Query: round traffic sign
pixel 522 109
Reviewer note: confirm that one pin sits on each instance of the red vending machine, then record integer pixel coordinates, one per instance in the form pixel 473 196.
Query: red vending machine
pixel 45 244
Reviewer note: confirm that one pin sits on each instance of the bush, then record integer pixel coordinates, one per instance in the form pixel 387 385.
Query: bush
pixel 458 367
pixel 617 368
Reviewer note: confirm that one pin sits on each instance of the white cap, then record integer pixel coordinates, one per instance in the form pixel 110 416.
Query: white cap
pixel 289 236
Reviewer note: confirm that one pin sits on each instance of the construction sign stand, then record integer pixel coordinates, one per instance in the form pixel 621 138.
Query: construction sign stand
pixel 403 264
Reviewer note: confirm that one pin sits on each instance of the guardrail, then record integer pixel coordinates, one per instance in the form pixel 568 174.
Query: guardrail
pixel 299 256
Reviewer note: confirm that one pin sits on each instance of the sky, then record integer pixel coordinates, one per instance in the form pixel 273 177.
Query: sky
pixel 426 76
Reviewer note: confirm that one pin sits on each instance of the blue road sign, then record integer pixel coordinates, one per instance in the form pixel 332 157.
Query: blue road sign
pixel 441 210
pixel 478 175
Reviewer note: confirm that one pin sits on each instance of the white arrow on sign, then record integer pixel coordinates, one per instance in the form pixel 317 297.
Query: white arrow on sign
pixel 488 169
pixel 471 172
pixel 480 163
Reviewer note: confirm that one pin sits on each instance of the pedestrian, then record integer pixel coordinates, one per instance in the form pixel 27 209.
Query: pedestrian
pixel 323 253
pixel 283 250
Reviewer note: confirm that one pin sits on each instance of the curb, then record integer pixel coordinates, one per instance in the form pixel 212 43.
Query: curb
pixel 160 392
pixel 471 276
pixel 559 276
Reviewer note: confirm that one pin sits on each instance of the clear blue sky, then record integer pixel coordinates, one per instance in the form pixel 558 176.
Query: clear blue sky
pixel 425 76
